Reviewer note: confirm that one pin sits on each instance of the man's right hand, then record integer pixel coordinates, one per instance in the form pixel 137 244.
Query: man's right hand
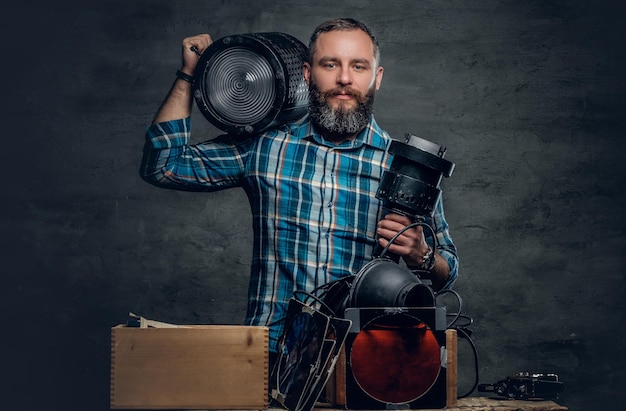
pixel 192 48
pixel 177 104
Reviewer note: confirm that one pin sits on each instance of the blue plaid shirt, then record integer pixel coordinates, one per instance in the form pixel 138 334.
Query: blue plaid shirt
pixel 314 203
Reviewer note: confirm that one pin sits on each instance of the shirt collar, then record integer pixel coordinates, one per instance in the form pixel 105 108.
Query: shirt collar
pixel 372 135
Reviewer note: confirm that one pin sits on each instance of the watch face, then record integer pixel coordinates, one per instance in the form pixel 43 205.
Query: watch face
pixel 428 260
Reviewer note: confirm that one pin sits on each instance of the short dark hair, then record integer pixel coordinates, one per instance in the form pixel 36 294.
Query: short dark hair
pixel 342 24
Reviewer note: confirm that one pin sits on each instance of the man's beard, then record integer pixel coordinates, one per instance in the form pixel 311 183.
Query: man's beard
pixel 338 125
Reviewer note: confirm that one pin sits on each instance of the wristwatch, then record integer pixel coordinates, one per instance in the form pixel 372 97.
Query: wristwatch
pixel 428 260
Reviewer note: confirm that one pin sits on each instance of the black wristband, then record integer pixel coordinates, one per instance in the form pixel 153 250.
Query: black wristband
pixel 184 76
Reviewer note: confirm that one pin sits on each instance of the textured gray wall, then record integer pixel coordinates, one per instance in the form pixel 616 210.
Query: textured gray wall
pixel 528 97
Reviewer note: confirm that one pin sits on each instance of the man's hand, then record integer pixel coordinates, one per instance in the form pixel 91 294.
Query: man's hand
pixel 193 47
pixel 410 245
pixel 177 104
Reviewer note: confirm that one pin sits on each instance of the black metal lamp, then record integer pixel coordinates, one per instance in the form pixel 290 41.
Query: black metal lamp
pixel 248 83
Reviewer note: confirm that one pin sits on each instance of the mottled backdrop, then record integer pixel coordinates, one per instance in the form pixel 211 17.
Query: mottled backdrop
pixel 528 97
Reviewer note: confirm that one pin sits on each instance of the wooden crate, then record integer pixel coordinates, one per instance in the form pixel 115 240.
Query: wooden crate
pixel 189 367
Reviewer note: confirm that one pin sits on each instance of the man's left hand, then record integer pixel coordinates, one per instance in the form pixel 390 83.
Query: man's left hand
pixel 410 245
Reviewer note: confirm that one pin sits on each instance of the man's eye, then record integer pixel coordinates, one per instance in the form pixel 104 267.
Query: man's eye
pixel 329 65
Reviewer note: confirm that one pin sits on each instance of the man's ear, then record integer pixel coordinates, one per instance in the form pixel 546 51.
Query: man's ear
pixel 306 71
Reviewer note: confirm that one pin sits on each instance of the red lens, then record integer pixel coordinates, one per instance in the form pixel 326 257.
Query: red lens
pixel 395 359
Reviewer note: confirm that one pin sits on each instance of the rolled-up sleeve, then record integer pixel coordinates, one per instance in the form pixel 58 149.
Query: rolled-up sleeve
pixel 445 246
pixel 170 161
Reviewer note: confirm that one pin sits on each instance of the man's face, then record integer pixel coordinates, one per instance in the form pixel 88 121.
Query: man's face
pixel 343 79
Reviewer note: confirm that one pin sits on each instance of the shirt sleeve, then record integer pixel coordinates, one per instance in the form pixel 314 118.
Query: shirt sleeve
pixel 445 246
pixel 170 161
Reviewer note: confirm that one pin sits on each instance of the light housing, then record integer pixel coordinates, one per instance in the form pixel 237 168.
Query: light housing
pixel 411 185
pixel 248 83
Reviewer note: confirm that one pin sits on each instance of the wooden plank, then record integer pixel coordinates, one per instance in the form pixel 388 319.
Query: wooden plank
pixel 195 367
pixel 340 379
pixel 494 404
pixel 451 368
pixel 485 404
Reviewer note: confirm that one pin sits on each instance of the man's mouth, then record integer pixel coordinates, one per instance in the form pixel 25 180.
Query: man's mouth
pixel 342 96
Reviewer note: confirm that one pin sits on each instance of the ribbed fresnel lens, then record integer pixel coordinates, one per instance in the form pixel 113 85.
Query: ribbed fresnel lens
pixel 249 83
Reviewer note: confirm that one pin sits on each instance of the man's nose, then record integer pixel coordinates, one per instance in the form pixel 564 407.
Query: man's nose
pixel 344 77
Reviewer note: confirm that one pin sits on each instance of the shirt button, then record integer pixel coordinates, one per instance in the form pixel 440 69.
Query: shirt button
pixel 330 205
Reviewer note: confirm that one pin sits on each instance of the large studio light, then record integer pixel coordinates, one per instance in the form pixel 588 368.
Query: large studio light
pixel 394 348
pixel 394 359
pixel 248 83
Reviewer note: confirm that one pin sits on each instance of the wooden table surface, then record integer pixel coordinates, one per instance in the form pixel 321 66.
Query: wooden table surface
pixel 490 404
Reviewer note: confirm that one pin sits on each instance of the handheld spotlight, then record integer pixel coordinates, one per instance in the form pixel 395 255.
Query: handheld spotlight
pixel 411 185
pixel 248 83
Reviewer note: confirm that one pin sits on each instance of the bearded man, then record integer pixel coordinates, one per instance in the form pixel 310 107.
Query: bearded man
pixel 311 184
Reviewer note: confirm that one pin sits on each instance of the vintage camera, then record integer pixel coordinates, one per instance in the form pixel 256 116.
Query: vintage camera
pixel 526 386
